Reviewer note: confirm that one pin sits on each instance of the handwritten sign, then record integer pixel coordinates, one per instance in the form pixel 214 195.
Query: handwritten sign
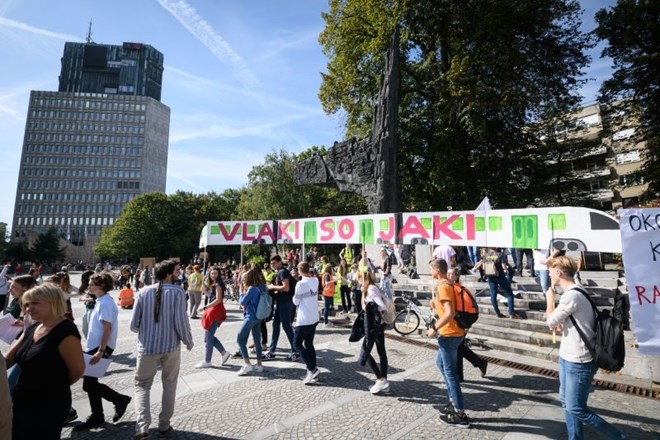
pixel 640 234
pixel 564 227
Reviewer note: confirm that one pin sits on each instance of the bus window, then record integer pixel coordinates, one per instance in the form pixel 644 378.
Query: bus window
pixel 602 222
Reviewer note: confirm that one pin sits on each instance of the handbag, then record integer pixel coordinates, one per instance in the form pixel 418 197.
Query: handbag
pixel 357 331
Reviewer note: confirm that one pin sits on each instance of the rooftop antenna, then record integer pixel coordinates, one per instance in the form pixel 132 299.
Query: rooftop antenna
pixel 88 38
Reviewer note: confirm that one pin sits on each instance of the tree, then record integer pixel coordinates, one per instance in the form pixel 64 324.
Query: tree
pixel 46 247
pixel 159 225
pixel 475 75
pixel 632 31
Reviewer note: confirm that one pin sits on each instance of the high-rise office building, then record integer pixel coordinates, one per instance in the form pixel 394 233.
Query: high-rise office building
pixel 94 145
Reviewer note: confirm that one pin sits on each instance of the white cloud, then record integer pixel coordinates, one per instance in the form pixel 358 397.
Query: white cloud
pixel 204 32
pixel 263 99
pixel 9 23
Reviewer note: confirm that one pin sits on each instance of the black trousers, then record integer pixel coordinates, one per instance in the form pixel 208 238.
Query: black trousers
pixel 529 253
pixel 466 352
pixel 97 391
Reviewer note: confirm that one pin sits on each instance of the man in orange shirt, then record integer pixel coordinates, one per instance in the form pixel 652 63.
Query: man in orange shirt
pixel 125 300
pixel 450 336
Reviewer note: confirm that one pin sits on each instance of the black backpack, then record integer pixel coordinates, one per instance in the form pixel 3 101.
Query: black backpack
pixel 609 350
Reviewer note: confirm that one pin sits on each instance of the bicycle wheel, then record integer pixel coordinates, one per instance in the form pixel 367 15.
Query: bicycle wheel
pixel 406 322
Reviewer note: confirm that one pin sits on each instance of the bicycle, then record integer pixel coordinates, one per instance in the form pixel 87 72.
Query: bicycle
pixel 231 293
pixel 407 321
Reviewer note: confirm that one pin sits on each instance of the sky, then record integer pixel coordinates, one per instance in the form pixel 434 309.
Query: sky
pixel 241 77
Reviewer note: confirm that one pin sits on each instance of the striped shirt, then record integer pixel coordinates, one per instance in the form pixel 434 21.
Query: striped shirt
pixel 173 327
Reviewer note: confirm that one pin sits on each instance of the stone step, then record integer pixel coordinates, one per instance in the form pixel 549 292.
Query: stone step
pixel 505 348
pixel 531 324
pixel 537 339
pixel 538 316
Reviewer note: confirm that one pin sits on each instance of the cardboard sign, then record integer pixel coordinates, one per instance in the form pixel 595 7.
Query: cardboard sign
pixel 640 234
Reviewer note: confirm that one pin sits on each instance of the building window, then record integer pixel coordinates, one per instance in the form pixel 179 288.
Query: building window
pixel 628 157
pixel 623 134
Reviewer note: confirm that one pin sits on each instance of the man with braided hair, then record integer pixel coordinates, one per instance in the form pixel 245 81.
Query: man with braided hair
pixel 160 320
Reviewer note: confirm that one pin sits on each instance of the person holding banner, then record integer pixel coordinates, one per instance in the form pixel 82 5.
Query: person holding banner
pixel 576 365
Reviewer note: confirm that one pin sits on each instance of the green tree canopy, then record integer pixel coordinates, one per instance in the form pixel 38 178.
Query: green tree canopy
pixel 632 31
pixel 475 75
pixel 46 248
pixel 159 225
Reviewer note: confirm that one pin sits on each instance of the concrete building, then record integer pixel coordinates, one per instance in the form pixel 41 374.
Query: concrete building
pixel 608 175
pixel 92 146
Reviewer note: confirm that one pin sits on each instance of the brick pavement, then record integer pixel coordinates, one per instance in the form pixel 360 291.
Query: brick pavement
pixel 216 403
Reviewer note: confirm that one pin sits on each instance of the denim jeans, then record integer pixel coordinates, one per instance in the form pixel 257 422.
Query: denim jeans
pixel 327 303
pixel 544 279
pixel 574 386
pixel 282 316
pixel 386 285
pixel 303 341
pixel 501 281
pixel 446 361
pixel 210 341
pixel 249 326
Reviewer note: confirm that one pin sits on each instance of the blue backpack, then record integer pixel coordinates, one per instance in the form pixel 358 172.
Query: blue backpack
pixel 265 305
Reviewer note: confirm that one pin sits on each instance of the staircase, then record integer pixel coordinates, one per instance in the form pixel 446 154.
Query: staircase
pixel 528 337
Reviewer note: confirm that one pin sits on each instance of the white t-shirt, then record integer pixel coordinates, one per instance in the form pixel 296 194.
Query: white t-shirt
pixel 104 310
pixel 375 295
pixel 444 252
pixel 306 298
pixel 540 259
pixel 572 348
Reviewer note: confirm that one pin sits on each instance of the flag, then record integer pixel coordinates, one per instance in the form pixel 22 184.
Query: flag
pixel 484 205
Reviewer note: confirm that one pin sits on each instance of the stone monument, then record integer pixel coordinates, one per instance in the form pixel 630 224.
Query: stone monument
pixel 368 167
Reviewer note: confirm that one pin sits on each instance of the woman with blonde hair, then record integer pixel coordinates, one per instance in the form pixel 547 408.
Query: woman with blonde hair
pixel 373 304
pixel 51 359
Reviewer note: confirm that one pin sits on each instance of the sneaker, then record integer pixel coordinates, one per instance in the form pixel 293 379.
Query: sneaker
pixel 500 315
pixel 204 364
pixel 268 356
pixel 379 386
pixel 309 378
pixel 483 368
pixel 165 433
pixel 245 370
pixel 73 415
pixel 515 316
pixel 120 408
pixel 225 357
pixel 329 324
pixel 448 409
pixel 258 369
pixel 93 421
pixel 385 388
pixel 315 375
pixel 293 357
pixel 458 420
pixel 237 355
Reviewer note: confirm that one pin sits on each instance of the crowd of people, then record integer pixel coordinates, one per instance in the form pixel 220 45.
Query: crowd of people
pixel 49 356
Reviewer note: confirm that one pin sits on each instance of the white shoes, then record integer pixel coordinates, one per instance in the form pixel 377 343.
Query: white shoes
pixel 258 368
pixel 381 386
pixel 311 377
pixel 204 364
pixel 245 370
pixel 225 357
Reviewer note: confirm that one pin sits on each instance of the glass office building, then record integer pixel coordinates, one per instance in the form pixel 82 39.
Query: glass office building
pixel 94 145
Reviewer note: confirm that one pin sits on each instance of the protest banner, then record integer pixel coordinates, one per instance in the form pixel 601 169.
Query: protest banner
pixel 640 234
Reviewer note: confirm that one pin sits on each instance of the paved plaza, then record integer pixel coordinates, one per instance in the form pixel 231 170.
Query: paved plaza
pixel 216 403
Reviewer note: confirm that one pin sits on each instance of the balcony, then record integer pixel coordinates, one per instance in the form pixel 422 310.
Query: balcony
pixel 601 195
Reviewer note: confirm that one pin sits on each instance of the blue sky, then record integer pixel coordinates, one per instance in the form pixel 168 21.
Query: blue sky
pixel 241 77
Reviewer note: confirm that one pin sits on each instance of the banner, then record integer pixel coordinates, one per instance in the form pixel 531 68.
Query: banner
pixel 244 232
pixel 562 227
pixel 640 234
